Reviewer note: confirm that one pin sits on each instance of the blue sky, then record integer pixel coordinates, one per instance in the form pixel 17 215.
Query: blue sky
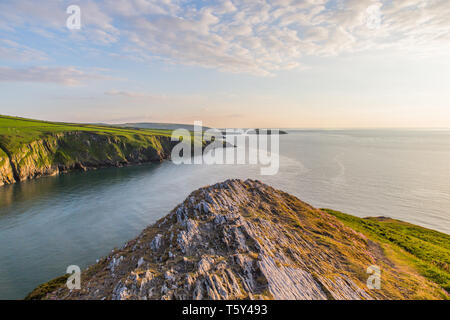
pixel 278 63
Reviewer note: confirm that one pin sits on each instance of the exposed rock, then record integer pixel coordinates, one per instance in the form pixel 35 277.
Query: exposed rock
pixel 156 242
pixel 6 169
pixel 244 240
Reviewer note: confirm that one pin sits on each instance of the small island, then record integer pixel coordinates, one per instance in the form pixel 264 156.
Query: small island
pixel 254 132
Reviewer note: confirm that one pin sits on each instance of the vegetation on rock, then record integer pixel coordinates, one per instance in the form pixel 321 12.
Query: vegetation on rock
pixel 246 240
pixel 426 250
pixel 32 148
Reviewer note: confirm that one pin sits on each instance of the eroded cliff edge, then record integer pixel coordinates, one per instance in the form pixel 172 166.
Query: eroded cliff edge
pixel 66 151
pixel 244 240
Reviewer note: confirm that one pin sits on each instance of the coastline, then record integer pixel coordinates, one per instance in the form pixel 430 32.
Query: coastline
pixel 31 152
pixel 35 172
pixel 410 267
pixel 30 149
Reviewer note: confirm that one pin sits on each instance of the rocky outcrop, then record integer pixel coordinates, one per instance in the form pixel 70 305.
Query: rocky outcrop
pixel 244 240
pixel 6 170
pixel 63 152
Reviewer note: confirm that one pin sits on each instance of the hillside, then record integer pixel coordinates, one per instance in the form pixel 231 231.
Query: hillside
pixel 246 240
pixel 425 250
pixel 32 148
pixel 157 125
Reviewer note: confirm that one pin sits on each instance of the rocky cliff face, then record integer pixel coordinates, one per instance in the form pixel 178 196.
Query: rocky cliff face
pixel 244 240
pixel 6 170
pixel 68 151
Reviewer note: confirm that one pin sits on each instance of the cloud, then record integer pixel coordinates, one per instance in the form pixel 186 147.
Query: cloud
pixel 13 51
pixel 69 76
pixel 48 18
pixel 128 94
pixel 256 37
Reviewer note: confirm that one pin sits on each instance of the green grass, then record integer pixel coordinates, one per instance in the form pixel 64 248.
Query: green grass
pixel 428 251
pixel 42 290
pixel 17 132
pixel 31 148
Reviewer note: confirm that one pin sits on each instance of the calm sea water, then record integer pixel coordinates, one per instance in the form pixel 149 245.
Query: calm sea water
pixel 51 223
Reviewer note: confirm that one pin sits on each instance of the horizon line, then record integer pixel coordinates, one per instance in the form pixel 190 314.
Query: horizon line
pixel 107 123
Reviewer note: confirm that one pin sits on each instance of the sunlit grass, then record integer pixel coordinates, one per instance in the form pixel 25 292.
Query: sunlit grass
pixel 426 250
pixel 16 132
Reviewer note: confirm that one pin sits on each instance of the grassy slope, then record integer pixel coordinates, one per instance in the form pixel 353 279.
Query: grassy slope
pixel 16 132
pixel 425 250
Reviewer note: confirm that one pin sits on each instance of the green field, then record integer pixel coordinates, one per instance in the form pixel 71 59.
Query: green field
pixel 17 132
pixel 425 250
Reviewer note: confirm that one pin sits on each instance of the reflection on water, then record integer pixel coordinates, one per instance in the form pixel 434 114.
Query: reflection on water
pixel 50 223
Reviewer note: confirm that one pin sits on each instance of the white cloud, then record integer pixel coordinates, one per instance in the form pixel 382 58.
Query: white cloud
pixel 128 94
pixel 11 50
pixel 257 37
pixel 69 76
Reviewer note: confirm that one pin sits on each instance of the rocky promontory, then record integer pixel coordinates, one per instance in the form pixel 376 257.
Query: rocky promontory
pixel 244 240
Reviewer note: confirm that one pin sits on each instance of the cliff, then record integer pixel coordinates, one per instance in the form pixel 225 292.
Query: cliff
pixel 31 148
pixel 245 240
pixel 63 152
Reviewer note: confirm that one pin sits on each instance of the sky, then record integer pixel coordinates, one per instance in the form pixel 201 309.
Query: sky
pixel 247 63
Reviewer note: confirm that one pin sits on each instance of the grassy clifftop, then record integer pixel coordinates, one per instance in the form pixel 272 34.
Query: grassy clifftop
pixel 422 249
pixel 15 132
pixel 32 148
